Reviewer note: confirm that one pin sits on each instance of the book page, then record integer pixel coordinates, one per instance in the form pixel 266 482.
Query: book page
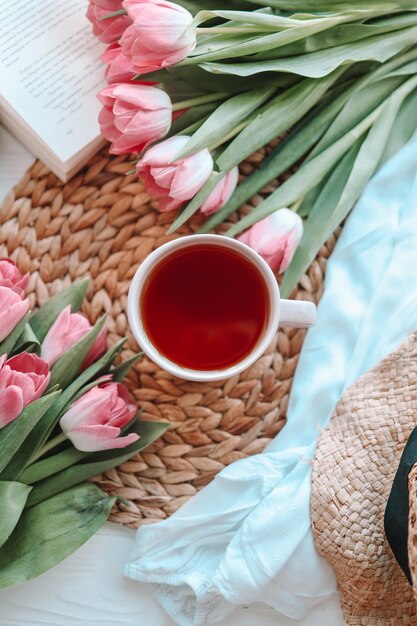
pixel 50 71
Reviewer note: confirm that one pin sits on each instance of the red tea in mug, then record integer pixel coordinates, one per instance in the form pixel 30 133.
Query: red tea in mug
pixel 205 307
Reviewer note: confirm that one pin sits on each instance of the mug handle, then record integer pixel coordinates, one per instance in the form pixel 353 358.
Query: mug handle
pixel 297 313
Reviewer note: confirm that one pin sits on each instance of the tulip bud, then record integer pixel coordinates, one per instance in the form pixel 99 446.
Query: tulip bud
pixel 109 29
pixel 174 182
pixel 133 116
pixel 94 421
pixel 23 379
pixel 67 329
pixel 221 193
pixel 276 238
pixel 159 36
pixel 12 309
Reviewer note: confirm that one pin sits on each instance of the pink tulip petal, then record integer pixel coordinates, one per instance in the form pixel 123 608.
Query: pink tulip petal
pixel 25 372
pixel 163 153
pixel 110 29
pixel 290 248
pixel 97 350
pixel 221 193
pixel 11 312
pixel 163 176
pixel 134 115
pixel 169 204
pixel 158 36
pixel 97 438
pixel 191 175
pixel 11 404
pixel 94 407
pixel 26 383
pixel 107 127
pixel 276 238
pixel 150 183
pixel 65 332
pixel 95 420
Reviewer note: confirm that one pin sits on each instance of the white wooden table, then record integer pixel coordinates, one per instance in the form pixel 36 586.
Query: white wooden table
pixel 88 588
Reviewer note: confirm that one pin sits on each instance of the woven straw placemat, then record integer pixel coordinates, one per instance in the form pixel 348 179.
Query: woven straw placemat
pixel 102 224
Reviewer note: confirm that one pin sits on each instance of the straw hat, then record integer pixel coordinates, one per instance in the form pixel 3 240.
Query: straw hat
pixel 353 471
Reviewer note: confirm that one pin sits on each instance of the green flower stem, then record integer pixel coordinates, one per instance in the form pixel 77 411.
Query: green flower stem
pixel 296 205
pixel 113 14
pixel 192 102
pixel 53 443
pixel 227 30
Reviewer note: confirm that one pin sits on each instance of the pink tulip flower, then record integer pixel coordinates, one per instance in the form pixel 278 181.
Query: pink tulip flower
pixel 276 238
pixel 159 36
pixel 12 309
pixel 134 116
pixel 94 421
pixel 67 329
pixel 10 276
pixel 23 379
pixel 221 193
pixel 119 66
pixel 174 182
pixel 111 29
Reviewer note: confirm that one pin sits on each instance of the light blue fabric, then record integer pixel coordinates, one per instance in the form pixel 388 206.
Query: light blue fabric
pixel 247 536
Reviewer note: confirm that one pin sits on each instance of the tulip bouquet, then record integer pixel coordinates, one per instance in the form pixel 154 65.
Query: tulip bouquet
pixel 194 89
pixel 64 417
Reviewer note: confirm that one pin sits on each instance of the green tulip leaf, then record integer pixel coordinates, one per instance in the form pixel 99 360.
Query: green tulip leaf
pixel 310 174
pixel 14 434
pixel 344 187
pixel 195 76
pixel 335 5
pixel 192 116
pixel 273 119
pixel 42 320
pixel 318 64
pixel 121 370
pixel 51 465
pixel 13 498
pixel 340 34
pixel 362 102
pixel 225 118
pixel 286 30
pixel 49 532
pixel 27 342
pixel 276 117
pixel 288 151
pixel 7 345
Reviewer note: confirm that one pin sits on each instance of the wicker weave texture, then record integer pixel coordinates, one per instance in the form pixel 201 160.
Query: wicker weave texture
pixel 102 224
pixel 357 457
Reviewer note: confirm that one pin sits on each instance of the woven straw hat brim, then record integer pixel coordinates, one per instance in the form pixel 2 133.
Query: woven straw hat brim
pixel 353 470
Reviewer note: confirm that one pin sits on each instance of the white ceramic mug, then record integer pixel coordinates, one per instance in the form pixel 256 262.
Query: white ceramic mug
pixel 295 313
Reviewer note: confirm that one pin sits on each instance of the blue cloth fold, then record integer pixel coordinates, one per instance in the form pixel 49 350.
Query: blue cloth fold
pixel 247 536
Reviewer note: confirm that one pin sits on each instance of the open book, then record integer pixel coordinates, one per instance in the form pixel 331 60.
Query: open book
pixel 50 72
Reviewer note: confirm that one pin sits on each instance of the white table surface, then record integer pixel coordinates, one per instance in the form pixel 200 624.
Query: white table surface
pixel 88 588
